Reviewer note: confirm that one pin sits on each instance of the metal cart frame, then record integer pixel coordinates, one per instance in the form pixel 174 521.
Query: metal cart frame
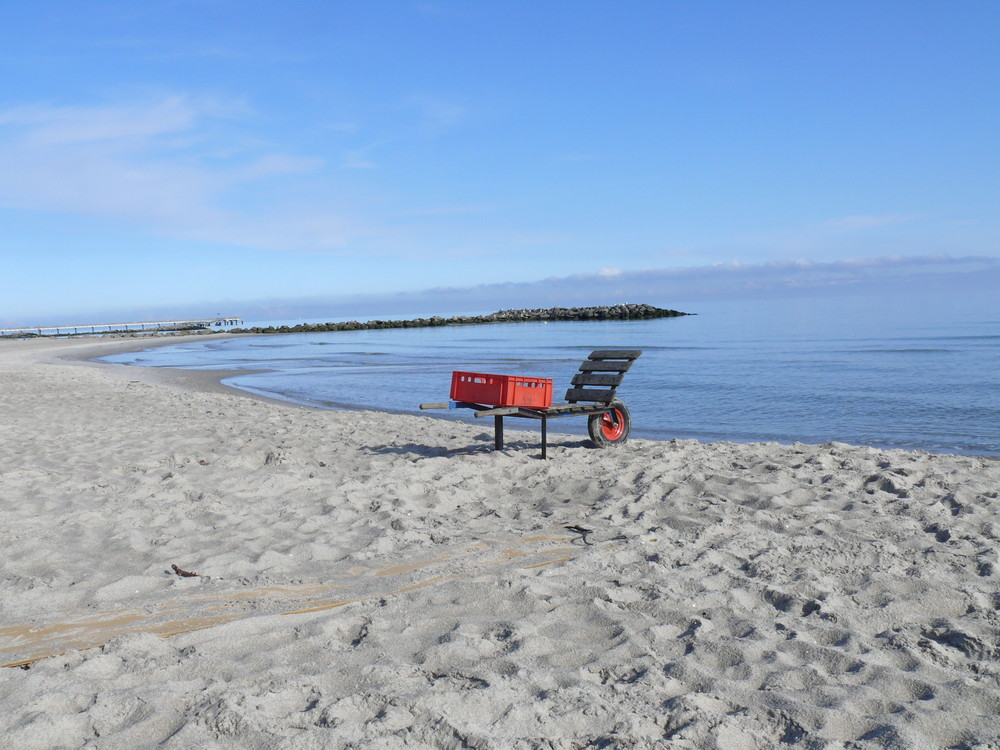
pixel 592 393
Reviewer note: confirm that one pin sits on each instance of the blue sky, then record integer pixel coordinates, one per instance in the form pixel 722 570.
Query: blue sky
pixel 224 155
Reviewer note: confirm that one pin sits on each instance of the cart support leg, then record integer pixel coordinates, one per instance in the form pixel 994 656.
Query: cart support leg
pixel 545 436
pixel 498 432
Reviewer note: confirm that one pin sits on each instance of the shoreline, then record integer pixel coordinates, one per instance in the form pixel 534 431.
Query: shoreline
pixel 211 381
pixel 363 578
pixel 84 352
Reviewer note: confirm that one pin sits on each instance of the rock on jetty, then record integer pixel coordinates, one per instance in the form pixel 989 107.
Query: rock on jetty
pixel 605 312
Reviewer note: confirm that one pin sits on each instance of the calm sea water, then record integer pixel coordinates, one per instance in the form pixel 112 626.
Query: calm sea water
pixel 898 373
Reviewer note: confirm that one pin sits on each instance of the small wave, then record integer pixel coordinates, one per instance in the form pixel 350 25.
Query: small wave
pixel 898 351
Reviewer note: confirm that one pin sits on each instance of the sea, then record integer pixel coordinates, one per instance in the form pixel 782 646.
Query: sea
pixel 903 372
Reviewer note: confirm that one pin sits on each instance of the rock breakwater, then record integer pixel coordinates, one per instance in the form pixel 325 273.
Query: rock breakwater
pixel 603 312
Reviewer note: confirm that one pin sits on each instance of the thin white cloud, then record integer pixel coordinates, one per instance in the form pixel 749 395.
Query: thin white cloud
pixel 810 238
pixel 305 230
pixel 357 160
pixel 672 286
pixel 276 164
pixel 677 288
pixel 343 127
pixel 452 210
pixel 860 223
pixel 575 158
pixel 52 126
pixel 195 168
pixel 168 166
pixel 435 113
pixel 681 288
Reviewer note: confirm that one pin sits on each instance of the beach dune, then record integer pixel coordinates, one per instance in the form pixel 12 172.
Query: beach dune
pixel 362 579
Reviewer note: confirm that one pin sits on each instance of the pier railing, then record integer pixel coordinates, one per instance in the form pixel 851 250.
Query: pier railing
pixel 142 325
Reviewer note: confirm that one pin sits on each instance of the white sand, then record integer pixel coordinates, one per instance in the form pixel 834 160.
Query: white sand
pixel 731 596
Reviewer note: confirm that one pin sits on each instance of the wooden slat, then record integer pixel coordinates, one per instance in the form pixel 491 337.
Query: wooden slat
pixel 599 366
pixel 468 405
pixel 590 394
pixel 591 379
pixel 615 354
pixel 561 409
pixel 498 411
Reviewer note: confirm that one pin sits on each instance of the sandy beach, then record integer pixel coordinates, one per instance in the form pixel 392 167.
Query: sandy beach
pixel 365 579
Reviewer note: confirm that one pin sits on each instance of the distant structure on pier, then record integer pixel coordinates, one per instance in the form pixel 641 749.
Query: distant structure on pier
pixel 148 326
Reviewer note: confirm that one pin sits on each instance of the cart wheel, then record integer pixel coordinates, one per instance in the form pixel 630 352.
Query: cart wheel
pixel 610 427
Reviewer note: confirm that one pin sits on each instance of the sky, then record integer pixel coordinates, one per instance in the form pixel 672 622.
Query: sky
pixel 164 158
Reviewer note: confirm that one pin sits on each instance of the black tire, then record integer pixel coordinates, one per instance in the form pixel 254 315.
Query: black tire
pixel 610 427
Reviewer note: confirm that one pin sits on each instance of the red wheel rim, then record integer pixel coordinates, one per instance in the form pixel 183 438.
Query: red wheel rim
pixel 612 431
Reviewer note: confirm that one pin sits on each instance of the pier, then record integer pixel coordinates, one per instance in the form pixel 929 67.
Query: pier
pixel 143 325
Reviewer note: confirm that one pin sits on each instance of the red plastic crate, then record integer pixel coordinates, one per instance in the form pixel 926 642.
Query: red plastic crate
pixel 501 390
